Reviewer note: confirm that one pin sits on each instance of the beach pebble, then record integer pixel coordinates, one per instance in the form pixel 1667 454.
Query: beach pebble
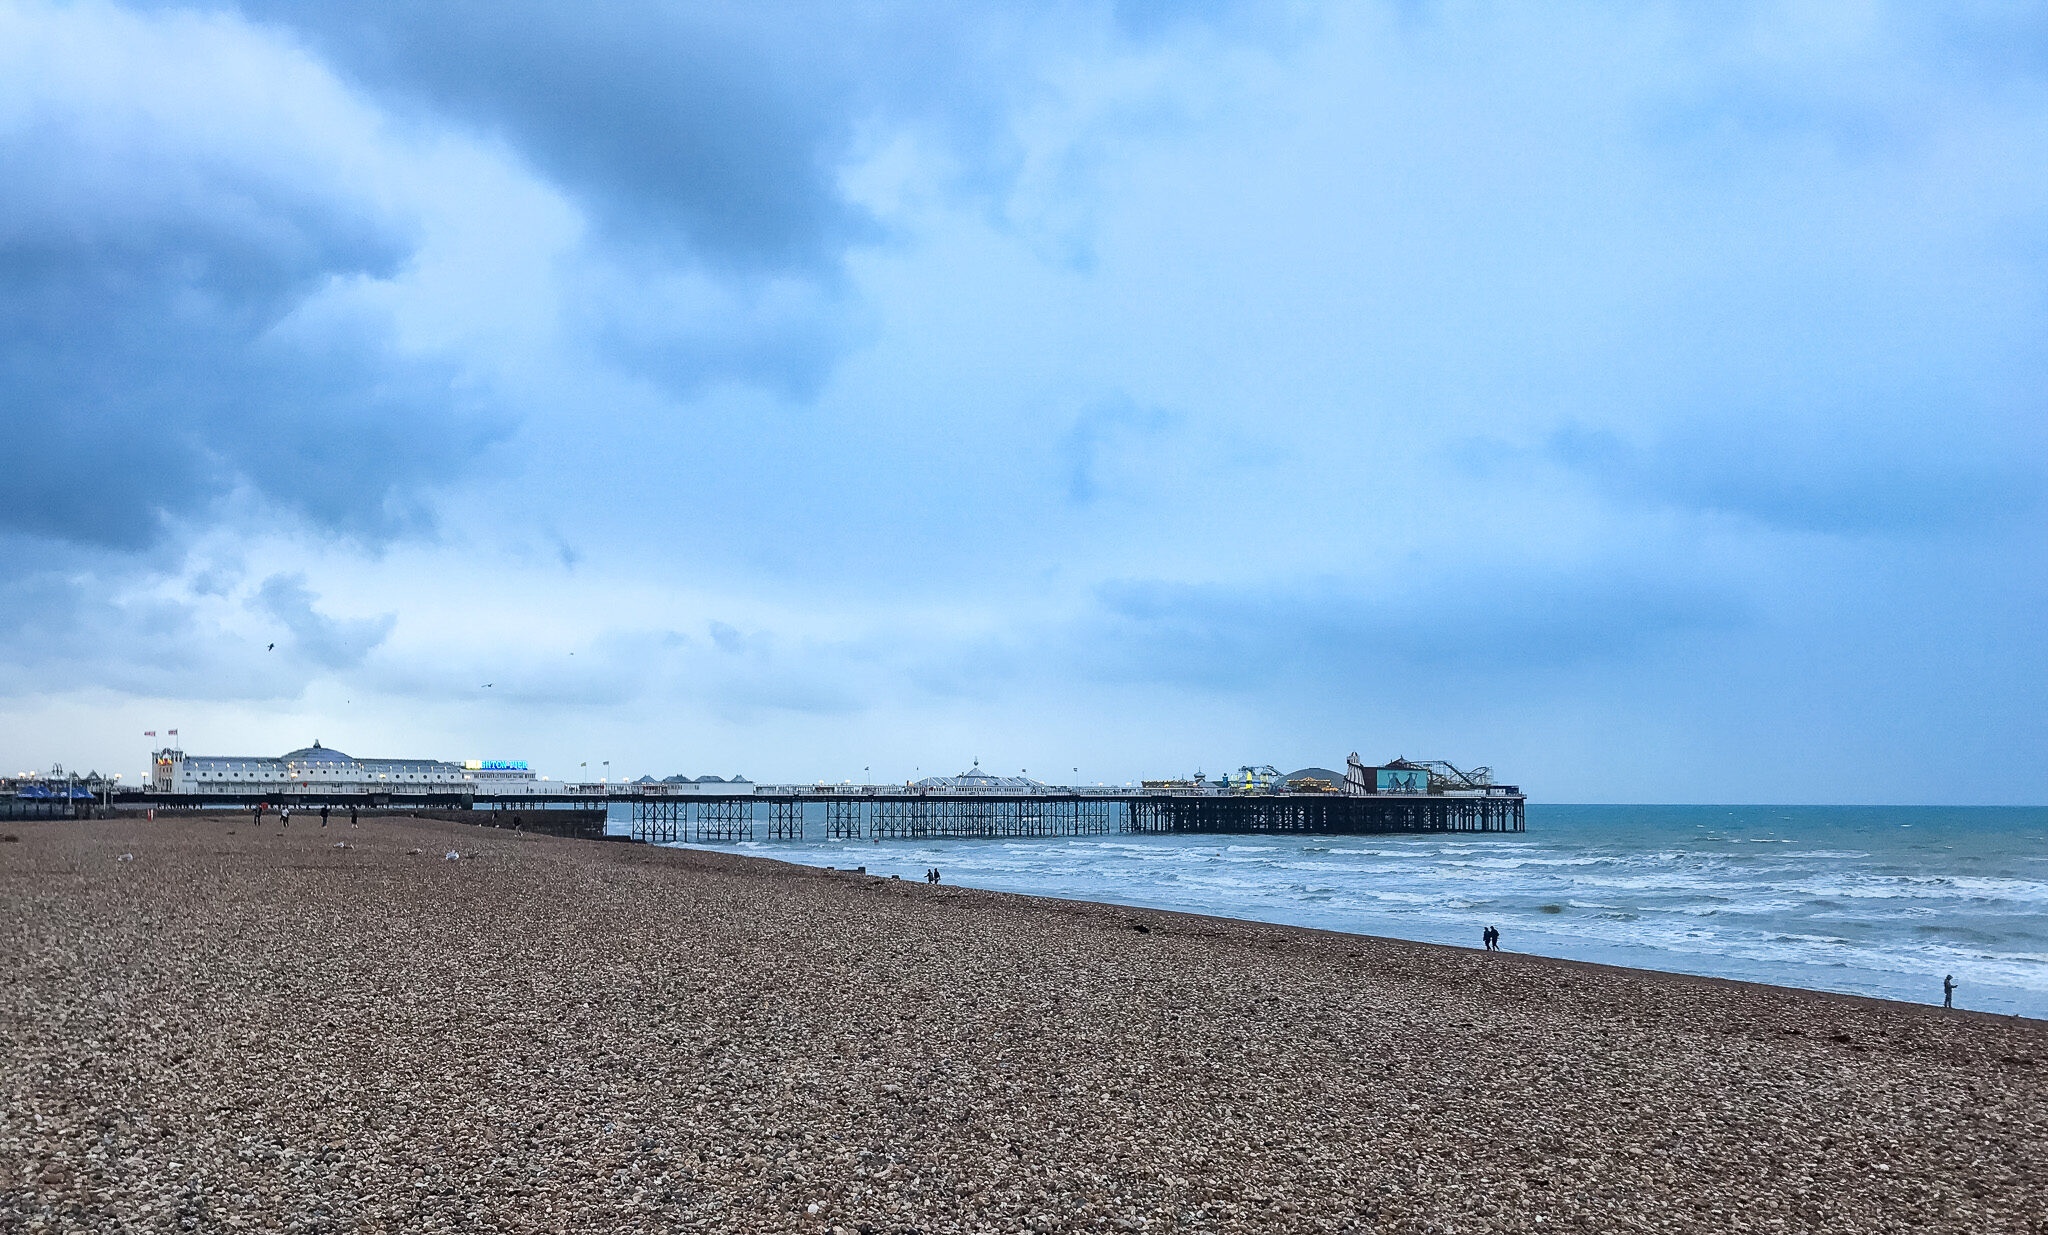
pixel 579 1036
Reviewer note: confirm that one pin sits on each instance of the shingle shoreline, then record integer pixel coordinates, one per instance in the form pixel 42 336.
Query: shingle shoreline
pixel 258 1030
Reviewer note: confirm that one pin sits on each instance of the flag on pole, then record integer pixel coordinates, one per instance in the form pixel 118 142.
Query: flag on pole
pixel 149 733
pixel 172 732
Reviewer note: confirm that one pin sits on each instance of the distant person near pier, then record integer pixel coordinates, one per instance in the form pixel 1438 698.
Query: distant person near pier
pixel 1948 991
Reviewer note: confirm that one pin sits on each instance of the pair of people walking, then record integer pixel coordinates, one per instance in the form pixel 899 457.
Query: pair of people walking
pixel 931 875
pixel 1491 938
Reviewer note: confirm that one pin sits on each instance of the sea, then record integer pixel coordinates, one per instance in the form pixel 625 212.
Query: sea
pixel 1869 900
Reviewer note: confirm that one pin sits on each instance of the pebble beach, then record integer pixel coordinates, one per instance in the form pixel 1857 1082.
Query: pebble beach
pixel 207 1026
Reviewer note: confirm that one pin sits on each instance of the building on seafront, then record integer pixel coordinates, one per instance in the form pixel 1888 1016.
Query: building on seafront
pixel 498 777
pixel 318 768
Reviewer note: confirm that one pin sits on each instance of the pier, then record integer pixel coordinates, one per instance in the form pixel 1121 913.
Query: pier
pixel 782 813
pixel 864 812
pixel 1400 796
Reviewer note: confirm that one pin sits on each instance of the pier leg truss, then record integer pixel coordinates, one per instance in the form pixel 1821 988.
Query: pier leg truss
pixel 668 821
pixel 787 821
pixel 843 819
pixel 961 818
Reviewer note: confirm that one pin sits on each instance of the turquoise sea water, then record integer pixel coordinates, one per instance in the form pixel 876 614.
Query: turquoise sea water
pixel 1869 900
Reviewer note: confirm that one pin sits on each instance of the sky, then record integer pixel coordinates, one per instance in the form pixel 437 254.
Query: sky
pixel 1645 401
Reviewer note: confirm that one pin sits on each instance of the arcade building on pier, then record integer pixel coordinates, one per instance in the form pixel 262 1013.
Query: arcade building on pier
pixel 318 768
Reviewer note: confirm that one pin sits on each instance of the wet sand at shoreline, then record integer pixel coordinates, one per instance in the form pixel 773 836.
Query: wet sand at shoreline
pixel 244 1028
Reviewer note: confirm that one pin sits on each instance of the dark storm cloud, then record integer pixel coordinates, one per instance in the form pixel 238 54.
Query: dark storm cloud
pixel 155 354
pixel 1251 638
pixel 716 127
pixel 704 144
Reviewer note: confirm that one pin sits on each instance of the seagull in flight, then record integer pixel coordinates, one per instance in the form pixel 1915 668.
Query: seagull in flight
pixel 271 648
pixel 488 685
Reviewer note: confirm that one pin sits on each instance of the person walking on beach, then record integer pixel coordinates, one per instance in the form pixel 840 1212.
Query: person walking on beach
pixel 351 815
pixel 284 816
pixel 257 812
pixel 1948 991
pixel 323 814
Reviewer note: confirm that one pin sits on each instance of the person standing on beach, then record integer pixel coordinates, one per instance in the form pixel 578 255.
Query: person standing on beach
pixel 256 812
pixel 1948 991
pixel 323 814
pixel 351 815
pixel 284 816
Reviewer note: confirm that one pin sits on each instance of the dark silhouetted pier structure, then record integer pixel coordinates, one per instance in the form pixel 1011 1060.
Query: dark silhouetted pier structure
pixel 1326 812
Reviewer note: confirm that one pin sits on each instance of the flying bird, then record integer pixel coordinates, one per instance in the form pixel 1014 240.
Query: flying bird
pixel 271 648
pixel 488 685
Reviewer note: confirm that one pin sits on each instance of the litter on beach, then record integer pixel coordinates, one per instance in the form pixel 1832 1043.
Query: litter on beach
pixel 452 855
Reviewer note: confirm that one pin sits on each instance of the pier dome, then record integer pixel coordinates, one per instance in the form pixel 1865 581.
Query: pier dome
pixel 974 780
pixel 317 753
